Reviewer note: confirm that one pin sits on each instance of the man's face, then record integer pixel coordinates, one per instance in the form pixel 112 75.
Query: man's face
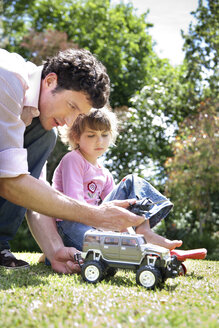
pixel 62 107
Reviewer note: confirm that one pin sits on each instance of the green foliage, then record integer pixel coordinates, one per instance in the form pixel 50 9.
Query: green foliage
pixel 193 171
pixel 38 298
pixel 148 126
pixel 202 48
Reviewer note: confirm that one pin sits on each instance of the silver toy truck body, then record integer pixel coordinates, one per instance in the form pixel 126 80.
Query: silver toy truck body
pixel 105 252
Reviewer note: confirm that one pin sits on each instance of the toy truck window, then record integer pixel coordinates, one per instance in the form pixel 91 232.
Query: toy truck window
pixel 111 241
pixel 92 239
pixel 131 242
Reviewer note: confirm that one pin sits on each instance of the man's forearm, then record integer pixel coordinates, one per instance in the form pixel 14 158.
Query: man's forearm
pixel 34 194
pixel 46 235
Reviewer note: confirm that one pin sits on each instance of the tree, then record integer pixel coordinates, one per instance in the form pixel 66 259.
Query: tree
pixel 148 126
pixel 169 97
pixel 201 48
pixel 193 177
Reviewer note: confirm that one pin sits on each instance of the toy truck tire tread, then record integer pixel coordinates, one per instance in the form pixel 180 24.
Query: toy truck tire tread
pixel 92 272
pixel 148 277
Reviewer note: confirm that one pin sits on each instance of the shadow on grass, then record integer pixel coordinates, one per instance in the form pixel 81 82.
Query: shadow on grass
pixel 36 275
pixel 193 275
pixel 120 281
pixel 127 281
pixel 117 280
pixel 40 274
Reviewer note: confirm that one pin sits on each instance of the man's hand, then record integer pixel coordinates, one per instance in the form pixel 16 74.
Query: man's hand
pixel 64 261
pixel 115 216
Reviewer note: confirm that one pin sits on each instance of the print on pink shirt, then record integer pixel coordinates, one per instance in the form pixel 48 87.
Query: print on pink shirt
pixel 92 187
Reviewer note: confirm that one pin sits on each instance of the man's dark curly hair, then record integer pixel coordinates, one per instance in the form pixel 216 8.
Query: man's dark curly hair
pixel 79 70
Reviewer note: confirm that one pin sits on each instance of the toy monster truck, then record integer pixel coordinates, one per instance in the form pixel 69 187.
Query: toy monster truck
pixel 105 252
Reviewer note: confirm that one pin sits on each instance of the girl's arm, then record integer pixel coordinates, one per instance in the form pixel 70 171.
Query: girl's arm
pixel 110 184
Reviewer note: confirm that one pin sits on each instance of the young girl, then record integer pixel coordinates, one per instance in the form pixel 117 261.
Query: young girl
pixel 81 176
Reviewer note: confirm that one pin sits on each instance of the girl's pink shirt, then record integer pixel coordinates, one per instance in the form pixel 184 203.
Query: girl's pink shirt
pixel 79 179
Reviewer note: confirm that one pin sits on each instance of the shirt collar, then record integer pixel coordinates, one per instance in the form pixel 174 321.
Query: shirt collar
pixel 34 83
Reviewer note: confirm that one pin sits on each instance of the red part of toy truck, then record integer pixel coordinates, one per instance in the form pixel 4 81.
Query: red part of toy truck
pixel 196 254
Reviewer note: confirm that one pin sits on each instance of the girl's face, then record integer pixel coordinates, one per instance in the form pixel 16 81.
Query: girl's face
pixel 93 143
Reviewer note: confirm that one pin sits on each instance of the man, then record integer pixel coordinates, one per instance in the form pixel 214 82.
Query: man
pixel 43 98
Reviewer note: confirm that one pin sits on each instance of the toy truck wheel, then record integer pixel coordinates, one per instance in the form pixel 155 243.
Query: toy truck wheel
pixel 148 277
pixel 92 271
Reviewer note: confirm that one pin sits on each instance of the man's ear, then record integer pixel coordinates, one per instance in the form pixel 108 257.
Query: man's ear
pixel 50 81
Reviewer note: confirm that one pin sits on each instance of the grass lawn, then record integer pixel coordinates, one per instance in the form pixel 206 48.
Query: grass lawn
pixel 38 297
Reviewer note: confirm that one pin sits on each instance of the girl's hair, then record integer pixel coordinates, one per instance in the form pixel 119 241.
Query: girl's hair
pixel 97 119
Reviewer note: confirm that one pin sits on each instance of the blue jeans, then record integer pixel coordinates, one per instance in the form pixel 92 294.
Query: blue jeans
pixel 39 144
pixel 132 186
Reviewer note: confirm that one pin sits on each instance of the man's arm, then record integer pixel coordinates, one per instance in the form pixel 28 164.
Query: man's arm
pixel 44 230
pixel 34 194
